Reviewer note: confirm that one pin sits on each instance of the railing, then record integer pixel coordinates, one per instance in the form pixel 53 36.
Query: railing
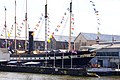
pixel 50 58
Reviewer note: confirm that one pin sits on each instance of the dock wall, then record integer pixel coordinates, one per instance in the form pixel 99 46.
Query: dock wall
pixel 39 70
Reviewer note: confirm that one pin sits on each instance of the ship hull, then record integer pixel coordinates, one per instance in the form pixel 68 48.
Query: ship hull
pixel 57 59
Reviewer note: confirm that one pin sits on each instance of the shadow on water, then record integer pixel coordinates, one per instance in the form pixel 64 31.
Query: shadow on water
pixel 30 76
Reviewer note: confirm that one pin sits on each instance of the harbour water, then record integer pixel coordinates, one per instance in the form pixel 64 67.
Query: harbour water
pixel 31 76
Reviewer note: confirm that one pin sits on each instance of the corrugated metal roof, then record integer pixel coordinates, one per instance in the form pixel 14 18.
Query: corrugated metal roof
pixel 63 38
pixel 103 37
pixel 106 46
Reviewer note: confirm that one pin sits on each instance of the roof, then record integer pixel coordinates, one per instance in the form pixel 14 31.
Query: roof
pixel 96 47
pixel 106 45
pixel 103 37
pixel 63 38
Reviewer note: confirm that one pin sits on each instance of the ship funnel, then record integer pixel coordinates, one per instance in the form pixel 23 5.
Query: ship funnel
pixel 31 46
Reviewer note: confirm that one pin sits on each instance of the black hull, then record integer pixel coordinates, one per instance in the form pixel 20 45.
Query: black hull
pixel 76 62
pixel 57 59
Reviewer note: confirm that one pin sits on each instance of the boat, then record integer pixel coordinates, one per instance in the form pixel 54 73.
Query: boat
pixel 56 58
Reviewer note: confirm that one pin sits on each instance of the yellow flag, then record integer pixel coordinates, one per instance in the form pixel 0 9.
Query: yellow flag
pixel 50 36
pixel 99 33
pixel 48 40
pixel 8 34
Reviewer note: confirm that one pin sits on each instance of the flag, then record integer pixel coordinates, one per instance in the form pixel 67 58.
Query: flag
pixel 93 4
pixel 58 26
pixel 37 25
pixel 52 33
pixel 23 20
pixel 51 36
pixel 65 13
pixel 72 28
pixel 22 23
pixel 41 14
pixel 38 21
pixel 63 18
pixel 56 30
pixel 40 18
pixel 35 28
pixel 61 22
pixel 72 15
pixel 99 33
pixel 8 34
pixel 68 9
pixel 48 40
pixel 73 19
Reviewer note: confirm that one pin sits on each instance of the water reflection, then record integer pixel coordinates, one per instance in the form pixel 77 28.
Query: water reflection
pixel 30 76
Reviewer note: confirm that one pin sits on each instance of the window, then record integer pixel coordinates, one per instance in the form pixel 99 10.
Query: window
pixel 83 43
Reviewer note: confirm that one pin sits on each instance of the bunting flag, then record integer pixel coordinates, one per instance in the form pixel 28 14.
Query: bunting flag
pixel 62 24
pixel 8 34
pixel 28 26
pixel 72 24
pixel 38 25
pixel 50 37
pixel 2 33
pixel 41 19
pixel 96 12
pixel 50 33
pixel 98 31
pixel 63 21
pixel 48 41
pixel 48 29
pixel 19 28
pixel 97 15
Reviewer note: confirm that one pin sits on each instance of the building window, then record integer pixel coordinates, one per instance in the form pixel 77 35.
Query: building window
pixel 83 43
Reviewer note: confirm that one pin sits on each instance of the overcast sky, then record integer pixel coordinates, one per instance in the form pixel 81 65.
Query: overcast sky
pixel 84 17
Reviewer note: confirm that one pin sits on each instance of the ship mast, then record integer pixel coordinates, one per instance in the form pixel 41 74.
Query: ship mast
pixel 15 25
pixel 46 32
pixel 46 26
pixel 26 27
pixel 70 27
pixel 5 29
pixel 70 32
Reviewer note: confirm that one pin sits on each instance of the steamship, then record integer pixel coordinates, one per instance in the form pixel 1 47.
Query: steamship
pixel 55 58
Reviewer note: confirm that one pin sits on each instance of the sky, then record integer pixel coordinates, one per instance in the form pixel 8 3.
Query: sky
pixel 84 17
